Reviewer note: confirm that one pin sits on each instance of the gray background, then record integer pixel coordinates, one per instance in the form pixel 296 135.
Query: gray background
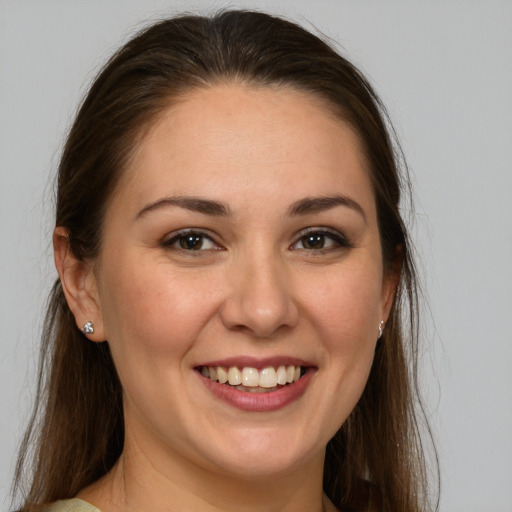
pixel 443 68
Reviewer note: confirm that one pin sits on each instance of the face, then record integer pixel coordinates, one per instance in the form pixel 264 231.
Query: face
pixel 242 244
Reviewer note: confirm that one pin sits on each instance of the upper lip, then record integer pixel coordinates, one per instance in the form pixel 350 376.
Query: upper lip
pixel 256 362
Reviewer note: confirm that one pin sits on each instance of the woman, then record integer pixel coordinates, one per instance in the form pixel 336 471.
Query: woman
pixel 226 331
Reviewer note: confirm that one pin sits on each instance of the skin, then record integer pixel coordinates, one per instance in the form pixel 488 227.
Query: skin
pixel 255 288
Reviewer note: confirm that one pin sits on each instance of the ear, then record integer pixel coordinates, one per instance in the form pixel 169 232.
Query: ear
pixel 79 285
pixel 390 283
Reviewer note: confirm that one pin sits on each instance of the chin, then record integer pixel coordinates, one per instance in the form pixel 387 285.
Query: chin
pixel 264 453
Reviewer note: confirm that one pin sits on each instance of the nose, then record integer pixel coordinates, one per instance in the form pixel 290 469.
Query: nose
pixel 260 301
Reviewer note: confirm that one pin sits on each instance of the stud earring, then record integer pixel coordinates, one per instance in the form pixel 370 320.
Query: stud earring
pixel 88 328
pixel 381 329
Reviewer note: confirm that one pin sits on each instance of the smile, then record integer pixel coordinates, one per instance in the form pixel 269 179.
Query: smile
pixel 256 385
pixel 251 379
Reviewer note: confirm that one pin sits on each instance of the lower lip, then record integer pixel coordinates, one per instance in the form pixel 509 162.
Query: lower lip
pixel 262 401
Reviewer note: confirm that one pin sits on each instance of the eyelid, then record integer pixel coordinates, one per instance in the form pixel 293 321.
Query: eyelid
pixel 334 234
pixel 337 236
pixel 171 238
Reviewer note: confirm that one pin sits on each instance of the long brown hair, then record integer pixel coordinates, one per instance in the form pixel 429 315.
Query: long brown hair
pixel 75 436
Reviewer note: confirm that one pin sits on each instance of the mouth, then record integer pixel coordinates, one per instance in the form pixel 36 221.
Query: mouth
pixel 257 385
pixel 253 380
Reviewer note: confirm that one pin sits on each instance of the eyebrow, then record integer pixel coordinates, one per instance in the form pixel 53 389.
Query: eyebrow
pixel 304 206
pixel 320 204
pixel 195 204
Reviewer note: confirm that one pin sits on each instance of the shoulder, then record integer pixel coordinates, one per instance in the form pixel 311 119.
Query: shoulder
pixel 74 505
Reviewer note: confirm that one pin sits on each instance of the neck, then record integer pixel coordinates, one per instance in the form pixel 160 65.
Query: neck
pixel 142 483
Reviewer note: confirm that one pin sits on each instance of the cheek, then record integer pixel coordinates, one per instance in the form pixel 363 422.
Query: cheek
pixel 152 310
pixel 345 311
pixel 349 300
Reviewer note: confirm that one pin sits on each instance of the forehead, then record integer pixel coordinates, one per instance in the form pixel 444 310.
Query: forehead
pixel 230 139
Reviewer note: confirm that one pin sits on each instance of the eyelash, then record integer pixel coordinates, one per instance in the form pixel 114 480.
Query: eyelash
pixel 340 241
pixel 172 242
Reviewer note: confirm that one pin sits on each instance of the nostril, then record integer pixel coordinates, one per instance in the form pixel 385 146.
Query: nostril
pixel 259 321
pixel 259 301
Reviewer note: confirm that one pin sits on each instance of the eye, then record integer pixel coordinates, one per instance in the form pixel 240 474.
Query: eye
pixel 320 239
pixel 190 241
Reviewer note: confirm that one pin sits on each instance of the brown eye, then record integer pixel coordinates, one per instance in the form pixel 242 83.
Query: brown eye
pixel 320 240
pixel 191 242
pixel 313 241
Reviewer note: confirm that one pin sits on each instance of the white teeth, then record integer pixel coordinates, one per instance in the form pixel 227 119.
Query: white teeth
pixel 234 376
pixel 222 375
pixel 250 377
pixel 253 378
pixel 281 375
pixel 290 373
pixel 268 378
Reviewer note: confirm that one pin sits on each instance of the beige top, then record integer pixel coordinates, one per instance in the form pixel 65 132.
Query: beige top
pixel 74 505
